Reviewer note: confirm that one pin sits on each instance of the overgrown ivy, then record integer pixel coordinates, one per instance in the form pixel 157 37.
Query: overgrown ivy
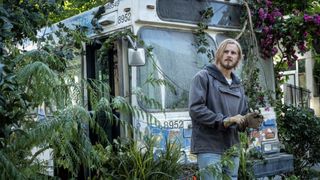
pixel 201 41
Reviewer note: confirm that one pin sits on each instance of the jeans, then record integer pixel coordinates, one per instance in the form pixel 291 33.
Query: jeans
pixel 208 160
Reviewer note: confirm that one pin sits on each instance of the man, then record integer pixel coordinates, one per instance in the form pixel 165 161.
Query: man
pixel 218 109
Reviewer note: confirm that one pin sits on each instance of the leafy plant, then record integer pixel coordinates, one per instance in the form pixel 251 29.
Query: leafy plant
pixel 31 79
pixel 128 159
pixel 225 162
pixel 245 166
pixel 40 77
pixel 299 131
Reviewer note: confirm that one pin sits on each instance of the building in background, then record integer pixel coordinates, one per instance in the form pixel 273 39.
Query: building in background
pixel 302 89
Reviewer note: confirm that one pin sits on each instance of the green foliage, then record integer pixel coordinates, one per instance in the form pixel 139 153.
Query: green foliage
pixel 128 159
pixel 121 104
pixel 289 5
pixel 13 101
pixel 158 82
pixel 299 131
pixel 152 78
pixel 103 102
pixel 226 162
pixel 74 7
pixel 201 41
pixel 257 95
pixel 314 7
pixel 70 148
pixel 73 148
pixel 22 19
pixel 38 78
pixel 108 43
pixel 246 159
pixel 148 101
pixel 42 77
pixel 8 169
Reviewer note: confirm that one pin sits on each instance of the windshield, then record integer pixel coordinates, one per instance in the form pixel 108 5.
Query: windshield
pixel 167 74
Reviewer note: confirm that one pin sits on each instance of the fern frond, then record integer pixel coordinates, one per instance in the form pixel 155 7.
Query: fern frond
pixel 43 56
pixel 75 145
pixel 8 169
pixel 96 90
pixel 39 81
pixel 121 104
pixel 160 82
pixel 35 136
pixel 147 100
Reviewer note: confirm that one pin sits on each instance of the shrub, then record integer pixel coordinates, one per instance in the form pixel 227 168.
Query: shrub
pixel 299 131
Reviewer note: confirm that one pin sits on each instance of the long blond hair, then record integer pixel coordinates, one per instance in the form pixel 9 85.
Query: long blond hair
pixel 222 47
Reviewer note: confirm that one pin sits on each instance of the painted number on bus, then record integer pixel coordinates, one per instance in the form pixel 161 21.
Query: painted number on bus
pixel 174 124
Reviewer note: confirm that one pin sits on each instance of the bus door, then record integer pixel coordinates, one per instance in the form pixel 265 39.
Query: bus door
pixel 104 69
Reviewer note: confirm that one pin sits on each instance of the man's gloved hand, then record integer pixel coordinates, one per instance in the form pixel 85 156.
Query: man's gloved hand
pixel 238 119
pixel 253 120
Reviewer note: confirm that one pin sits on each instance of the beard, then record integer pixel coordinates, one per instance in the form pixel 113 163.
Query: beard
pixel 228 64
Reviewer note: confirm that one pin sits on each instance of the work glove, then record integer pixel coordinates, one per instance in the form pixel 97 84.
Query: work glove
pixel 238 119
pixel 252 120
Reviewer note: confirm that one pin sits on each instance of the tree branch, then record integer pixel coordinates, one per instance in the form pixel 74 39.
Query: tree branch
pixel 38 152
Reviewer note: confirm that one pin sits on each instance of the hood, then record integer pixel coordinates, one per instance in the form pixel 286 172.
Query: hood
pixel 216 73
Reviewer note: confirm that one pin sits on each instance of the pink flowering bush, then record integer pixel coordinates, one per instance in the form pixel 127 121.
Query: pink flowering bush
pixel 297 29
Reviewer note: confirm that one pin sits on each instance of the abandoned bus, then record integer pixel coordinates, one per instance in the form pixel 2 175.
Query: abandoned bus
pixel 168 27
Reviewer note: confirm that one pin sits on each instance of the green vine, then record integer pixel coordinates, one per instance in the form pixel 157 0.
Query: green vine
pixel 257 95
pixel 201 41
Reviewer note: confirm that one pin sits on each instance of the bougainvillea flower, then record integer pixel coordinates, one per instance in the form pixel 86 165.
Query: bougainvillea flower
pixel 265 29
pixel 262 14
pixel 271 18
pixel 307 18
pixel 276 13
pixel 274 51
pixel 316 19
pixel 268 3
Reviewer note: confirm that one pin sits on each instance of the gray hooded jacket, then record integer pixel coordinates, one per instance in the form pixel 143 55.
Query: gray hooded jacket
pixel 211 101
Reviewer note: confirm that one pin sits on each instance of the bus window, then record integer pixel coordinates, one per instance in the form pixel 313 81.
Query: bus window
pixel 225 14
pixel 175 60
